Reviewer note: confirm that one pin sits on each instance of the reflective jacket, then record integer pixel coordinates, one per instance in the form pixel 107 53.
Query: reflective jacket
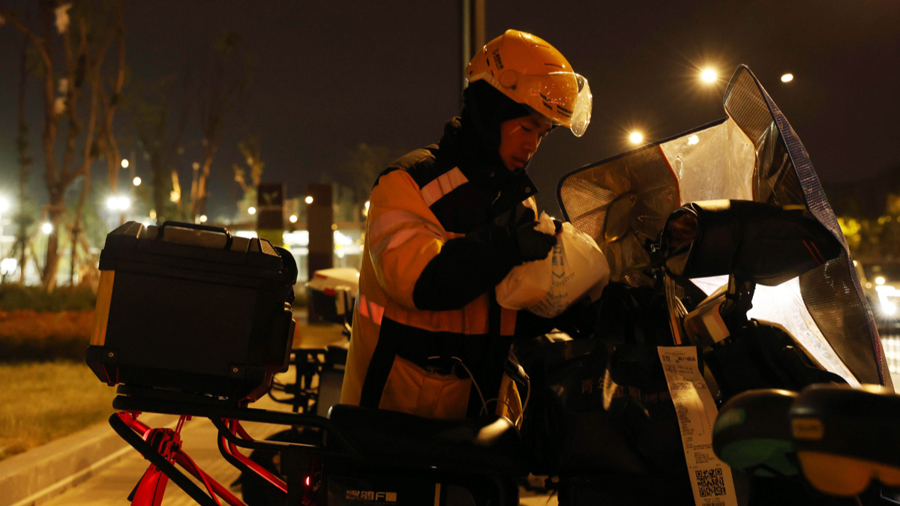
pixel 426 323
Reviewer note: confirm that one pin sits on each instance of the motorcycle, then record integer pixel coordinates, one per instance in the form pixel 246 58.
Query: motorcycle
pixel 747 286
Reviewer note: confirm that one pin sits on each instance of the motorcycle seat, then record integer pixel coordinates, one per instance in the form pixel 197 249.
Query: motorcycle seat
pixel 397 439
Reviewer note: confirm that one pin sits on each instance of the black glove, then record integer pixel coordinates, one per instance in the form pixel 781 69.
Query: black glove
pixel 533 244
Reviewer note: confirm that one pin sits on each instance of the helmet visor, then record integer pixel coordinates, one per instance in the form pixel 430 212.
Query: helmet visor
pixel 563 97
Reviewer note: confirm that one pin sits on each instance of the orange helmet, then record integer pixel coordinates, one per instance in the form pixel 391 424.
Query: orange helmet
pixel 530 71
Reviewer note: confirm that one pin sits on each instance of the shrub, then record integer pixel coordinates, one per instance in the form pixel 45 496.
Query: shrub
pixel 13 297
pixel 26 335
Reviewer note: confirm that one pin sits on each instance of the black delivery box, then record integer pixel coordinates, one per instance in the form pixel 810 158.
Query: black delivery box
pixel 190 308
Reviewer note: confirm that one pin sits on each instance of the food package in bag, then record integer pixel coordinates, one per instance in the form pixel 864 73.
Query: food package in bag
pixel 575 268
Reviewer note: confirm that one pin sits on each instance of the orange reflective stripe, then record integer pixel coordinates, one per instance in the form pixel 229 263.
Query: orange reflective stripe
pixel 442 185
pixel 371 310
pixel 363 307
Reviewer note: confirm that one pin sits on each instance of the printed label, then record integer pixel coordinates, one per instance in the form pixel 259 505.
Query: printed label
pixel 710 478
pixel 371 495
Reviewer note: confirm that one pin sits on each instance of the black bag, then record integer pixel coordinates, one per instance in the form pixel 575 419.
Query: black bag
pixel 190 308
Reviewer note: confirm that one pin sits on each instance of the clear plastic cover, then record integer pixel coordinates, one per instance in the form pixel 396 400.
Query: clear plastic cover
pixel 752 155
pixel 714 163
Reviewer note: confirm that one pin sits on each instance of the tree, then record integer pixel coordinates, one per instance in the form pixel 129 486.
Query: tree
pixel 150 108
pixel 22 218
pixel 219 90
pixel 106 141
pixel 81 59
pixel 362 167
pixel 250 149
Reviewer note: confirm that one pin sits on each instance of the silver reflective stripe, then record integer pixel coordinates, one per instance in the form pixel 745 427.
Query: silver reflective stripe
pixel 391 220
pixel 394 219
pixel 444 184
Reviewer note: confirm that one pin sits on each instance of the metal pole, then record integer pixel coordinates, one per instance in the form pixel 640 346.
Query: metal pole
pixel 472 34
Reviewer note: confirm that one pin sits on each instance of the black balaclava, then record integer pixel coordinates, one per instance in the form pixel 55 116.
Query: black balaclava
pixel 484 109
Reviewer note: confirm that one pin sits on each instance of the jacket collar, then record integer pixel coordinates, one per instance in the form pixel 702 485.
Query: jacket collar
pixel 464 149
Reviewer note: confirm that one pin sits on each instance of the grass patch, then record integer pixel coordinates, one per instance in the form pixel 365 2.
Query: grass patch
pixel 40 402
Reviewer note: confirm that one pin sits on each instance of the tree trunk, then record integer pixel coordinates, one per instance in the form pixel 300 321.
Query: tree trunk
pixel 54 216
pixel 24 163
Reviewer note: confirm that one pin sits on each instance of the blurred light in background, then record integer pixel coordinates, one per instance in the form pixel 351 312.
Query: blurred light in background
pixel 709 75
pixel 4 205
pixel 203 218
pixel 635 137
pixel 879 280
pixel 293 218
pixel 309 200
pixel 47 227
pixel 8 266
pixel 787 78
pixel 118 203
pixel 124 163
pixel 251 210
pixel 136 181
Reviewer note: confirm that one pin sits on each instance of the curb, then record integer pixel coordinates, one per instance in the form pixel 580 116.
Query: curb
pixel 34 477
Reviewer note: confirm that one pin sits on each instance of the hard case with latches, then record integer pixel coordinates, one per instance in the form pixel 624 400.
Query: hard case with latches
pixel 192 309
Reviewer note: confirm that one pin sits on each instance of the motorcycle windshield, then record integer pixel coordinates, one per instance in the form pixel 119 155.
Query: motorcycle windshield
pixel 752 154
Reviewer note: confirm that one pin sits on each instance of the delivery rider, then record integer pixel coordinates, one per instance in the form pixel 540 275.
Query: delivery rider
pixel 447 223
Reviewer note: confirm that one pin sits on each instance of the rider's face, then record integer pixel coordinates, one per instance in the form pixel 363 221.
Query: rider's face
pixel 520 138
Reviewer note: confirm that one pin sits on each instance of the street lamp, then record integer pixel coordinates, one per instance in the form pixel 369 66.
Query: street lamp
pixel 786 78
pixel 124 163
pixel 709 75
pixel 136 181
pixel 636 137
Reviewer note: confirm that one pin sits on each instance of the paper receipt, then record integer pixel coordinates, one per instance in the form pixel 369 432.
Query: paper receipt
pixel 710 478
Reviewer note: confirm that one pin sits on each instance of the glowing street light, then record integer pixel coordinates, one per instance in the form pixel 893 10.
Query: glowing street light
pixel 709 75
pixel 124 163
pixel 251 210
pixel 293 218
pixel 136 181
pixel 46 228
pixel 786 78
pixel 118 203
pixel 635 137
pixel 309 200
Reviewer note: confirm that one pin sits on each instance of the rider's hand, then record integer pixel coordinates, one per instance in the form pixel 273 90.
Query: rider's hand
pixel 532 244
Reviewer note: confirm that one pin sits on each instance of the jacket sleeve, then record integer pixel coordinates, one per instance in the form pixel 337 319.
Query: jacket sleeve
pixel 416 264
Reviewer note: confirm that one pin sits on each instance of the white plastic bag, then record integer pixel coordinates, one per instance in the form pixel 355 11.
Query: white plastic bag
pixel 576 267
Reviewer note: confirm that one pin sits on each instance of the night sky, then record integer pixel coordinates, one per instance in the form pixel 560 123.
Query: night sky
pixel 330 75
